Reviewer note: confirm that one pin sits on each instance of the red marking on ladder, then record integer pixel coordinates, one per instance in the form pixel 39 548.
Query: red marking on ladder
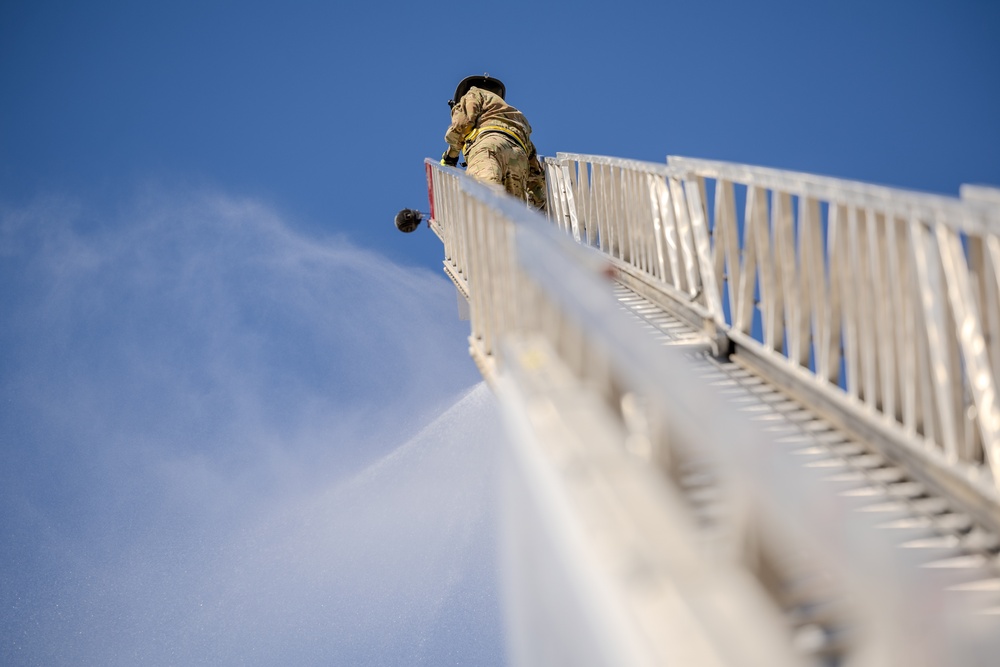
pixel 430 187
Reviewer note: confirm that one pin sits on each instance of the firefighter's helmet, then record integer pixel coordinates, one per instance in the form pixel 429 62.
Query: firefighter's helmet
pixel 485 81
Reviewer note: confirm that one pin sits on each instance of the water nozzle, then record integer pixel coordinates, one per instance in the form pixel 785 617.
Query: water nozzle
pixel 408 220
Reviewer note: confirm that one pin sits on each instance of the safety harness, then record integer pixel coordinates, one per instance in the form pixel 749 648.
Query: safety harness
pixel 471 136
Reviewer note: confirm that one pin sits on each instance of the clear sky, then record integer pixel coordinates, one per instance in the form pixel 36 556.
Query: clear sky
pixel 217 354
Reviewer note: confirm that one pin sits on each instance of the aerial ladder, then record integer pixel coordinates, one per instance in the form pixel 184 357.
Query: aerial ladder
pixel 753 414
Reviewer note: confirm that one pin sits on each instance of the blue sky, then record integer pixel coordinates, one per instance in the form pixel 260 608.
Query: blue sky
pixel 326 113
pixel 220 362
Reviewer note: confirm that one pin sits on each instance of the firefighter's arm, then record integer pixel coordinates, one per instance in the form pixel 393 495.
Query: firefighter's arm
pixel 464 117
pixel 450 156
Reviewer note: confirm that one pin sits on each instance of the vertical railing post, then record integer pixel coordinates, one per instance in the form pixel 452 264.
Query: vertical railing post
pixel 694 190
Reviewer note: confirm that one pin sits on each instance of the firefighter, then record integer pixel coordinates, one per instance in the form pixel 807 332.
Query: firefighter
pixel 496 140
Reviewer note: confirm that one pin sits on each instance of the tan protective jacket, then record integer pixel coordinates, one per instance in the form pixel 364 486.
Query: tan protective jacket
pixel 479 109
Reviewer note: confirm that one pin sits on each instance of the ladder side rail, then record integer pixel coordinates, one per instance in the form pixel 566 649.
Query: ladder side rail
pixel 679 225
pixel 444 217
pixel 953 312
pixel 694 422
pixel 476 259
pixel 853 347
pixel 967 216
pixel 468 223
pixel 583 510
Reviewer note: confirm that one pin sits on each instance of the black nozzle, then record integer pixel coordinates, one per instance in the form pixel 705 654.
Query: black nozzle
pixel 408 219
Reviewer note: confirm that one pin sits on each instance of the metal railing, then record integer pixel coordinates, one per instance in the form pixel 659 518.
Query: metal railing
pixel 881 305
pixel 612 411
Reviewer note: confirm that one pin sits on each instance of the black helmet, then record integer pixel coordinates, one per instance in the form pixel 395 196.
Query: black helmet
pixel 486 82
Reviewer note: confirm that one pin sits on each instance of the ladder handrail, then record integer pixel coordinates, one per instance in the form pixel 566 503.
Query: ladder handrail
pixel 884 302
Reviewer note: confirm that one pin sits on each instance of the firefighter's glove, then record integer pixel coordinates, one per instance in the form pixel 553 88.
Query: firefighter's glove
pixel 448 161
